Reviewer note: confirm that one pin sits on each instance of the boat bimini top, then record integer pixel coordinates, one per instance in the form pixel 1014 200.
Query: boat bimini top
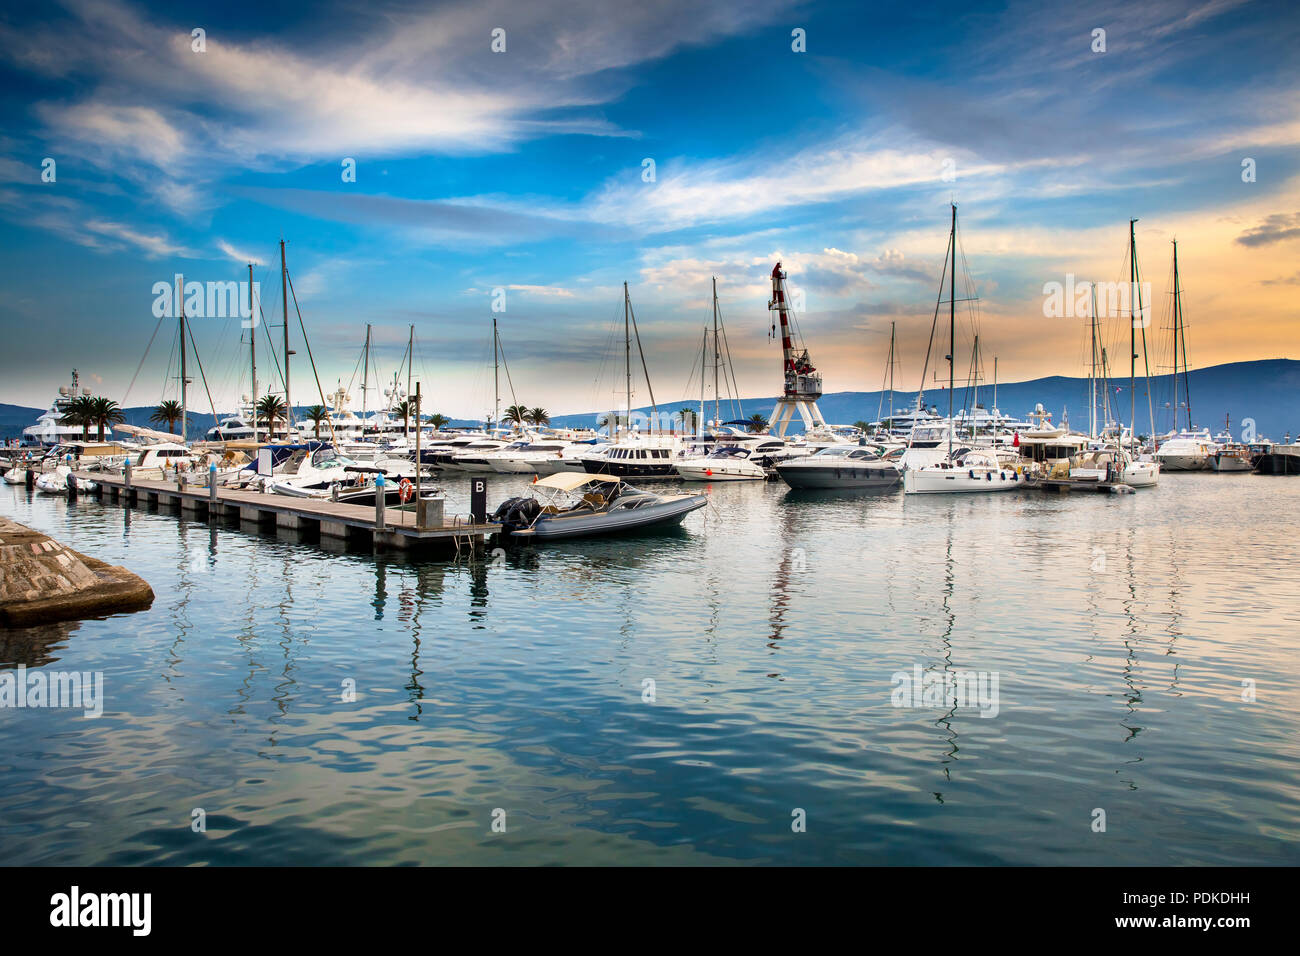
pixel 573 480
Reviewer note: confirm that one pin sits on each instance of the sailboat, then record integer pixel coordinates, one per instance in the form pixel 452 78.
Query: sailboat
pixel 633 455
pixel 1136 473
pixel 963 469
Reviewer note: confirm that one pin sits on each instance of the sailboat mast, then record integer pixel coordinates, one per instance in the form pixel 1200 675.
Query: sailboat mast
pixel 627 352
pixel 952 323
pixel 252 348
pixel 717 414
pixel 183 381
pixel 365 373
pixel 891 371
pixel 496 373
pixel 1092 374
pixel 704 357
pixel 284 295
pixel 410 359
pixel 1132 334
pixel 1180 334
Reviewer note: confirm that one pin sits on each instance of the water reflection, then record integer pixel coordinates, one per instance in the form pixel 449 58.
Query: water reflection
pixel 515 679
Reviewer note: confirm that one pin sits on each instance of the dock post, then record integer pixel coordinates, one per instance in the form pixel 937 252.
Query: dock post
pixel 72 487
pixel 379 502
pixel 126 474
pixel 31 479
pixel 212 490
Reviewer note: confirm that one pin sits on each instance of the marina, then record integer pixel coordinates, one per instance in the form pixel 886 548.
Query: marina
pixel 659 437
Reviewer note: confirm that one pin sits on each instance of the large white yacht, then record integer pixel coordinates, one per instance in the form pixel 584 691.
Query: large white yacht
pixel 1187 451
pixel 49 430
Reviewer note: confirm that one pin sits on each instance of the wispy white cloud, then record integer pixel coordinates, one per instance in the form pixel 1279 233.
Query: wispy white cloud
pixel 241 257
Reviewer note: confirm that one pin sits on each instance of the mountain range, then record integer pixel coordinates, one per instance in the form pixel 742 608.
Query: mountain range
pixel 1264 392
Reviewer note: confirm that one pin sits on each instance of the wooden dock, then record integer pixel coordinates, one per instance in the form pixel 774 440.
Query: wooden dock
pixel 1061 486
pixel 330 519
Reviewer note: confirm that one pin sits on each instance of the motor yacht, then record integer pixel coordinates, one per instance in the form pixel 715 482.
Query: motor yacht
pixel 844 466
pixel 573 505
pixel 968 471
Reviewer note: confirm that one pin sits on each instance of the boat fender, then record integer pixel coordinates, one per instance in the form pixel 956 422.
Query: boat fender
pixel 972 474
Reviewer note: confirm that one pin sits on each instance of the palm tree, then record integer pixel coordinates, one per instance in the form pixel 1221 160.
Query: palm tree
pixel 317 414
pixel 167 413
pixel 688 419
pixel 757 424
pixel 105 412
pixel 406 410
pixel 270 407
pixel 864 427
pixel 515 415
pixel 538 416
pixel 438 421
pixel 78 412
pixel 610 420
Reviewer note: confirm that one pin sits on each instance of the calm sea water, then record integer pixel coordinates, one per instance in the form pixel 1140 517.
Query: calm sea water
pixel 1121 631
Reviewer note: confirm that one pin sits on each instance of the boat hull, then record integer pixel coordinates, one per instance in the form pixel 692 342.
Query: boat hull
pixel 661 469
pixel 948 481
pixel 1230 463
pixel 666 513
pixel 1183 462
pixel 1142 474
pixel 1273 463
pixel 726 471
pixel 838 476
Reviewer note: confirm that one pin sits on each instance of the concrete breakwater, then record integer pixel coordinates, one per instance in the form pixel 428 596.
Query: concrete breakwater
pixel 41 581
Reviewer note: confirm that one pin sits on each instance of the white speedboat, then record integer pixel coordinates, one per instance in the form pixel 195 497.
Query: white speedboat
pixel 158 459
pixel 55 482
pixel 842 466
pixel 528 456
pixel 569 459
pixel 1107 463
pixel 573 505
pixel 472 457
pixel 970 471
pixel 310 471
pixel 729 463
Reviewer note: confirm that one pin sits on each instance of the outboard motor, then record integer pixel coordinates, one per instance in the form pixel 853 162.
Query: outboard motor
pixel 503 509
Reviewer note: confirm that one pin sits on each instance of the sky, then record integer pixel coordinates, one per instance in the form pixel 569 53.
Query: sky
pixel 521 161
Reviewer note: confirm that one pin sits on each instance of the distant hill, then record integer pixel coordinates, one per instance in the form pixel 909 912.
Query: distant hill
pixel 1267 391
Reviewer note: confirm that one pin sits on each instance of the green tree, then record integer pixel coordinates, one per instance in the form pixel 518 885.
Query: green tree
pixel 317 414
pixel 864 427
pixel 757 424
pixel 405 410
pixel 105 412
pixel 538 416
pixel 167 413
pixel 688 419
pixel 515 415
pixel 78 413
pixel 270 408
pixel 439 421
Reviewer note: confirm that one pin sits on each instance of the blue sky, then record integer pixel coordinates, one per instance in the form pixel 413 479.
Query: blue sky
pixel 523 169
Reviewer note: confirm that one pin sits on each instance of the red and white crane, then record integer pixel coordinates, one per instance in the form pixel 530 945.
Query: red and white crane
pixel 803 383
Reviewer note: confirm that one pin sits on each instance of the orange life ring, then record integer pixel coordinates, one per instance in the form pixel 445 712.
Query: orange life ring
pixel 405 490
